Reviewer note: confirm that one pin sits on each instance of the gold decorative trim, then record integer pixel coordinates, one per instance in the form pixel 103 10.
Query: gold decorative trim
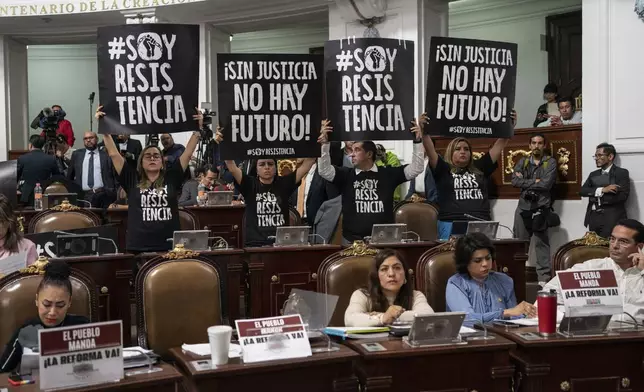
pixel 574 170
pixel 37 268
pixel 591 239
pixel 359 248
pixel 477 155
pixel 21 223
pixel 509 166
pixel 415 198
pixel 180 253
pixel 282 164
pixel 65 206
pixel 448 246
pixel 564 158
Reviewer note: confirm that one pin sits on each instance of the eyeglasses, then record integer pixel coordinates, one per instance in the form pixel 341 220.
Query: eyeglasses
pixel 151 157
pixel 621 242
pixel 597 156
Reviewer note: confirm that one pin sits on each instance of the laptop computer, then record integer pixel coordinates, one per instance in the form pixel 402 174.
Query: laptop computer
pixel 388 234
pixel 488 228
pixel 191 239
pixel 435 329
pixel 220 198
pixel 53 199
pixel 292 235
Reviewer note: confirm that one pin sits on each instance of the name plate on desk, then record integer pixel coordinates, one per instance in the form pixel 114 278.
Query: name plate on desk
pixel 81 355
pixel 590 293
pixel 272 338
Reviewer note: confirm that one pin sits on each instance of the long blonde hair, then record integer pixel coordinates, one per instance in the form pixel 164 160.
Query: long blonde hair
pixel 451 147
pixel 144 182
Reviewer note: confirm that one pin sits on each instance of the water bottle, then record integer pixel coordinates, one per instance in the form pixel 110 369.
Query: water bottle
pixel 201 195
pixel 38 197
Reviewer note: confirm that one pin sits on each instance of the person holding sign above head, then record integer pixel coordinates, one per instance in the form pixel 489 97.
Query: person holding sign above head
pixel 390 295
pixel 153 192
pixel 266 196
pixel 462 180
pixel 12 242
pixel 53 299
pixel 367 190
pixel 477 289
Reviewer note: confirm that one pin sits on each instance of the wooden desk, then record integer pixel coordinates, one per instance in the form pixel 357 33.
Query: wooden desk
pixel 113 277
pixel 477 366
pixel 322 372
pixel 167 380
pixel 274 271
pixel 588 364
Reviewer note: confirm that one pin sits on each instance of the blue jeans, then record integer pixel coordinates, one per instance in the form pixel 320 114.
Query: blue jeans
pixel 444 230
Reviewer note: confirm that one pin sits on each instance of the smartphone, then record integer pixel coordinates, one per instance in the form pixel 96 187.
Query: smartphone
pixel 17 380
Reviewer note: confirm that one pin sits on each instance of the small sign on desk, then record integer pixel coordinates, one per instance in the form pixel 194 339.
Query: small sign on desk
pixel 272 338
pixel 592 292
pixel 81 355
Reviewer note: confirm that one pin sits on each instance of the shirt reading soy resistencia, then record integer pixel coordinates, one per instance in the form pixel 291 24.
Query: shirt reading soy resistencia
pixel 266 207
pixel 153 214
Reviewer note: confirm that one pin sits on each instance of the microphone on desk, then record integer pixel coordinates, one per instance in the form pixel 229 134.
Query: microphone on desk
pixel 412 232
pixel 220 241
pixel 317 235
pixel 632 318
pixel 116 248
pixel 476 218
pixel 85 201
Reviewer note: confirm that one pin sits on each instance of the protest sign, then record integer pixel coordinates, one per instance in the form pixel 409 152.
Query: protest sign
pixel 593 292
pixel 471 87
pixel 272 338
pixel 81 355
pixel 148 78
pixel 270 105
pixel 370 88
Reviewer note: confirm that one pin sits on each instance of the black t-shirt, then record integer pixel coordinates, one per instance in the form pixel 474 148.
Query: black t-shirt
pixel 367 198
pixel 266 207
pixel 462 192
pixel 153 214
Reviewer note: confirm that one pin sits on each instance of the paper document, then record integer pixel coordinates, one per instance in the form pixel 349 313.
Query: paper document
pixel 13 263
pixel 203 349
pixel 353 330
pixel 466 330
pixel 531 322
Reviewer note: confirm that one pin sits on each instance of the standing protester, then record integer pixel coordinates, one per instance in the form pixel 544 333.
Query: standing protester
pixel 92 170
pixel 35 167
pixel 367 190
pixel 462 181
pixel 535 175
pixel 153 192
pixel 607 190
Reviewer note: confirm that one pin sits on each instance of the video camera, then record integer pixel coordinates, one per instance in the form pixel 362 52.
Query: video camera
pixel 206 131
pixel 48 120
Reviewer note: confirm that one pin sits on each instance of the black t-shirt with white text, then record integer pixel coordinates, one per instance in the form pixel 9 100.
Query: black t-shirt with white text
pixel 367 198
pixel 266 207
pixel 461 192
pixel 153 214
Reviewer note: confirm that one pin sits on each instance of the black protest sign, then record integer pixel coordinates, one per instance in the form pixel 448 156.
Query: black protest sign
pixel 370 88
pixel 269 105
pixel 470 87
pixel 148 78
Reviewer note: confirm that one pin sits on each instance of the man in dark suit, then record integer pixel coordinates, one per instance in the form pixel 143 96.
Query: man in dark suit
pixel 311 193
pixel 35 167
pixel 93 171
pixel 607 190
pixel 130 148
pixel 206 175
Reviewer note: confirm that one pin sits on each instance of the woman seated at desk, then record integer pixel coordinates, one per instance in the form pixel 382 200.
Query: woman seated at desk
pixel 476 289
pixel 12 243
pixel 53 299
pixel 390 295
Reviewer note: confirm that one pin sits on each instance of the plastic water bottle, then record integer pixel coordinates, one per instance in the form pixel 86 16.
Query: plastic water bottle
pixel 38 197
pixel 201 195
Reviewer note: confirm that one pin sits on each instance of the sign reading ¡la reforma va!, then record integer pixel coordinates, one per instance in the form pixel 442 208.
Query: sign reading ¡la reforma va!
pixel 52 7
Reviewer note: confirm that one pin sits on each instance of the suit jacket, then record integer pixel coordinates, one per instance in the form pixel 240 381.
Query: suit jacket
pixel 319 192
pixel 189 193
pixel 75 170
pixel 612 203
pixel 35 167
pixel 134 147
pixel 431 193
pixel 326 220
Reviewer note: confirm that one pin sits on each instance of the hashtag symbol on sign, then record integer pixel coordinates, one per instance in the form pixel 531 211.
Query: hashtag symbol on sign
pixel 117 48
pixel 344 60
pixel 249 152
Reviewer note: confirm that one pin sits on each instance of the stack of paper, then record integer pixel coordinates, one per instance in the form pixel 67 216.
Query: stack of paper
pixel 138 356
pixel 358 332
pixel 203 349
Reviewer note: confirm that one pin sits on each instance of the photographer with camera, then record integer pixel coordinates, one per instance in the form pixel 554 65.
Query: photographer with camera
pixel 535 175
pixel 52 121
pixel 63 154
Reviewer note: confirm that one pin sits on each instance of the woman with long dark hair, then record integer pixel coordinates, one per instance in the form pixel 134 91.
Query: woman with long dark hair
pixel 153 192
pixel 53 299
pixel 390 295
pixel 12 241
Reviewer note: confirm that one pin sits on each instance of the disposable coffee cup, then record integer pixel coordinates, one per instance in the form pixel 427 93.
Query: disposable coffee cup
pixel 219 337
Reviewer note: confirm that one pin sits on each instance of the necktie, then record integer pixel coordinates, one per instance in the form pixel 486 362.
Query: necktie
pixel 90 171
pixel 301 193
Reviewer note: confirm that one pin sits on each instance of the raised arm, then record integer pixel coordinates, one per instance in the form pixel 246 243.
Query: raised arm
pixel 110 146
pixel 185 157
pixel 417 160
pixel 325 168
pixel 428 143
pixel 303 169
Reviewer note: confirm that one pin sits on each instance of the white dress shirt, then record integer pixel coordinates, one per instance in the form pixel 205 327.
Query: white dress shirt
pixel 98 178
pixel 575 119
pixel 307 185
pixel 598 191
pixel 419 184
pixel 630 282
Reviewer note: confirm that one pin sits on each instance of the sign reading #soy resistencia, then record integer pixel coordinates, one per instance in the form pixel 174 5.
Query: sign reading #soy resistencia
pixel 471 87
pixel 370 88
pixel 270 105
pixel 148 78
